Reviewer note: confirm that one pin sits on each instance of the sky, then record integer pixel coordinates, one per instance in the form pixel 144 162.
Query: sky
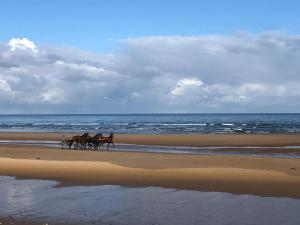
pixel 149 56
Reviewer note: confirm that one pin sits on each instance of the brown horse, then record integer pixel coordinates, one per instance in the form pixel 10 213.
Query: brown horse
pixel 106 140
pixel 68 143
pixel 81 141
pixel 94 141
pixel 76 141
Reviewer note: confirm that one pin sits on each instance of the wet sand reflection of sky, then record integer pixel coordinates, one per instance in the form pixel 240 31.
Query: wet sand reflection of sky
pixel 40 201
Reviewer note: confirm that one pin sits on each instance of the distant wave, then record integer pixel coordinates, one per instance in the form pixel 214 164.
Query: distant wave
pixel 182 124
pixel 155 123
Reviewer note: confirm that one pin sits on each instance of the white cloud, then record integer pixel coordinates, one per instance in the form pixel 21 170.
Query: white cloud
pixel 4 87
pixel 81 67
pixel 135 96
pixel 184 84
pixel 233 99
pixel 22 43
pixel 53 96
pixel 6 93
pixel 241 72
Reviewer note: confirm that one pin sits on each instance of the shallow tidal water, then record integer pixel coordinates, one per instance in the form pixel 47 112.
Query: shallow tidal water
pixel 41 201
pixel 212 150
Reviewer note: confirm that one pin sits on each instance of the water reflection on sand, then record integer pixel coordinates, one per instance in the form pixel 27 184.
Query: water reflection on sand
pixel 18 198
pixel 39 201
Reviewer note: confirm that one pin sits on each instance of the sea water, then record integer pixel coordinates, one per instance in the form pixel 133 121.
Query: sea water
pixel 154 123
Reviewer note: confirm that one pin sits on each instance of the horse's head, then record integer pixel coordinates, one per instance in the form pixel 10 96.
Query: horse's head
pixel 111 135
pixel 97 135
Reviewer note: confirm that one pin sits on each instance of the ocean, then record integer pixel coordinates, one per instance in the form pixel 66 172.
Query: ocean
pixel 153 123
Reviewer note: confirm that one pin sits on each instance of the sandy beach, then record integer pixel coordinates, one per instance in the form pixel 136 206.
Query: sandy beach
pixel 190 140
pixel 235 174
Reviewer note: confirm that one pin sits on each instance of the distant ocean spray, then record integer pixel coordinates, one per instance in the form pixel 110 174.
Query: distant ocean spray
pixel 153 123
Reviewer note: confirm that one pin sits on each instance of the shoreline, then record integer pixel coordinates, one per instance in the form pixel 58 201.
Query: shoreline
pixel 188 140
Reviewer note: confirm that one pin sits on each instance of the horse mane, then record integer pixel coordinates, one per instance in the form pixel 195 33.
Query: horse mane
pixel 98 135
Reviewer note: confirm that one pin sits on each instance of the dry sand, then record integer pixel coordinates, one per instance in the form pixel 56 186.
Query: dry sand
pixel 235 174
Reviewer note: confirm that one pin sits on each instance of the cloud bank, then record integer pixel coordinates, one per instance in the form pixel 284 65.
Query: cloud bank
pixel 236 73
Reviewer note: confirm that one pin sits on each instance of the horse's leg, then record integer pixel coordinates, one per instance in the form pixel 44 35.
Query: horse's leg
pixel 107 146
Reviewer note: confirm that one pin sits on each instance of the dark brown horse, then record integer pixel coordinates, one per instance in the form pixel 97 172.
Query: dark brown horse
pixel 68 143
pixel 81 141
pixel 94 141
pixel 106 140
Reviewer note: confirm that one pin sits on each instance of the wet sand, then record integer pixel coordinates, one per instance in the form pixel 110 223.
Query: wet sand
pixel 190 140
pixel 13 221
pixel 42 202
pixel 234 174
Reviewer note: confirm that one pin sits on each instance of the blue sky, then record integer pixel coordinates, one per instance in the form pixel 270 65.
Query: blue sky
pixel 91 24
pixel 149 56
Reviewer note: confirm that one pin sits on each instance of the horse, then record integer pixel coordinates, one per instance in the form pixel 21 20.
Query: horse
pixel 94 142
pixel 68 143
pixel 106 140
pixel 81 141
pixel 87 142
pixel 76 141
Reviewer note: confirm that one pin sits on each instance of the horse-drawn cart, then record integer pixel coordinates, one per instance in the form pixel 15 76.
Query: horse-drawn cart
pixel 86 141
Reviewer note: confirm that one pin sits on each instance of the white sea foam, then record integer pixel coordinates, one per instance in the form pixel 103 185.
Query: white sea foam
pixel 182 124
